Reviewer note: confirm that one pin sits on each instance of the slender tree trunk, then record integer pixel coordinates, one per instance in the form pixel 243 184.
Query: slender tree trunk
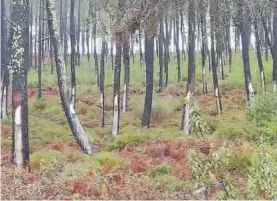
pixel 36 42
pixel 73 56
pixel 245 40
pixel 51 58
pixel 259 54
pixel 149 62
pixel 90 11
pixel 166 52
pixel 112 56
pixel 185 125
pixel 95 50
pixel 132 54
pixel 126 61
pixel 77 130
pixel 274 49
pixel 213 60
pixel 116 89
pixel 65 34
pixel 183 36
pixel 161 54
pixel 204 47
pixel 5 57
pixel 83 38
pixel 140 50
pixel 31 37
pixel 177 46
pixel 78 34
pixel 101 85
pixel 20 62
pixel 40 51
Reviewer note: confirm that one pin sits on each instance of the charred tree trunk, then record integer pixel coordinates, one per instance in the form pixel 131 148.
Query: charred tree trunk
pixel 93 15
pixel 77 130
pixel 183 36
pixel 20 62
pixel 177 46
pixel 126 61
pixel 150 29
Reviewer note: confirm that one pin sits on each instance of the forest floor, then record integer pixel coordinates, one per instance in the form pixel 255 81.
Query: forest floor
pixel 154 163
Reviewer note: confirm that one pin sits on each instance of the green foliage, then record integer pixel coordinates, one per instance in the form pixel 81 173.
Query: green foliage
pixel 110 159
pixel 159 170
pixel 239 131
pixel 172 184
pixel 45 157
pixel 206 171
pixel 263 109
pixel 262 177
pixel 198 125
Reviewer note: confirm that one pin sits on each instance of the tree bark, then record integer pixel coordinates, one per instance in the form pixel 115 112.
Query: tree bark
pixel 274 49
pixel 65 44
pixel 77 130
pixel 20 62
pixel 78 34
pixel 177 46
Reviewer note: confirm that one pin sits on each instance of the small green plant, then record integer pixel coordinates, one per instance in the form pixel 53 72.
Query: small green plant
pixel 110 159
pixel 262 177
pixel 163 169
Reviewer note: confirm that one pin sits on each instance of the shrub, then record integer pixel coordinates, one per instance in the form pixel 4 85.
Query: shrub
pixel 159 170
pixel 263 109
pixel 45 157
pixel 172 184
pixel 110 159
pixel 262 177
pixel 239 131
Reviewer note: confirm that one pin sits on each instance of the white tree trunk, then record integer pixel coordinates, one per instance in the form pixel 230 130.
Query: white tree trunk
pixel 4 104
pixel 217 101
pixel 186 114
pixel 115 117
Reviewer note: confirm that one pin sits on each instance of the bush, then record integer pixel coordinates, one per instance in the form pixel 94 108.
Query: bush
pixel 263 109
pixel 172 184
pixel 159 170
pixel 239 131
pixel 110 159
pixel 45 157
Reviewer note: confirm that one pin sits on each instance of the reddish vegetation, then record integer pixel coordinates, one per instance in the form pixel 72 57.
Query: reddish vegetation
pixel 90 100
pixel 5 130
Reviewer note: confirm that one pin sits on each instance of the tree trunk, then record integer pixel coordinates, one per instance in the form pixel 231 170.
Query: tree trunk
pixel 20 62
pixel 65 44
pixel 111 49
pixel 161 54
pixel 40 49
pixel 93 15
pixel 183 36
pixel 73 57
pixel 83 38
pixel 166 52
pixel 132 54
pixel 177 46
pixel 245 40
pixel 191 69
pixel 5 57
pixel 31 37
pixel 78 34
pixel 259 54
pixel 126 61
pixel 77 130
pixel 203 48
pixel 213 59
pixel 140 50
pixel 101 85
pixel 116 86
pixel 36 42
pixel 51 58
pixel 150 29
pixel 274 49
